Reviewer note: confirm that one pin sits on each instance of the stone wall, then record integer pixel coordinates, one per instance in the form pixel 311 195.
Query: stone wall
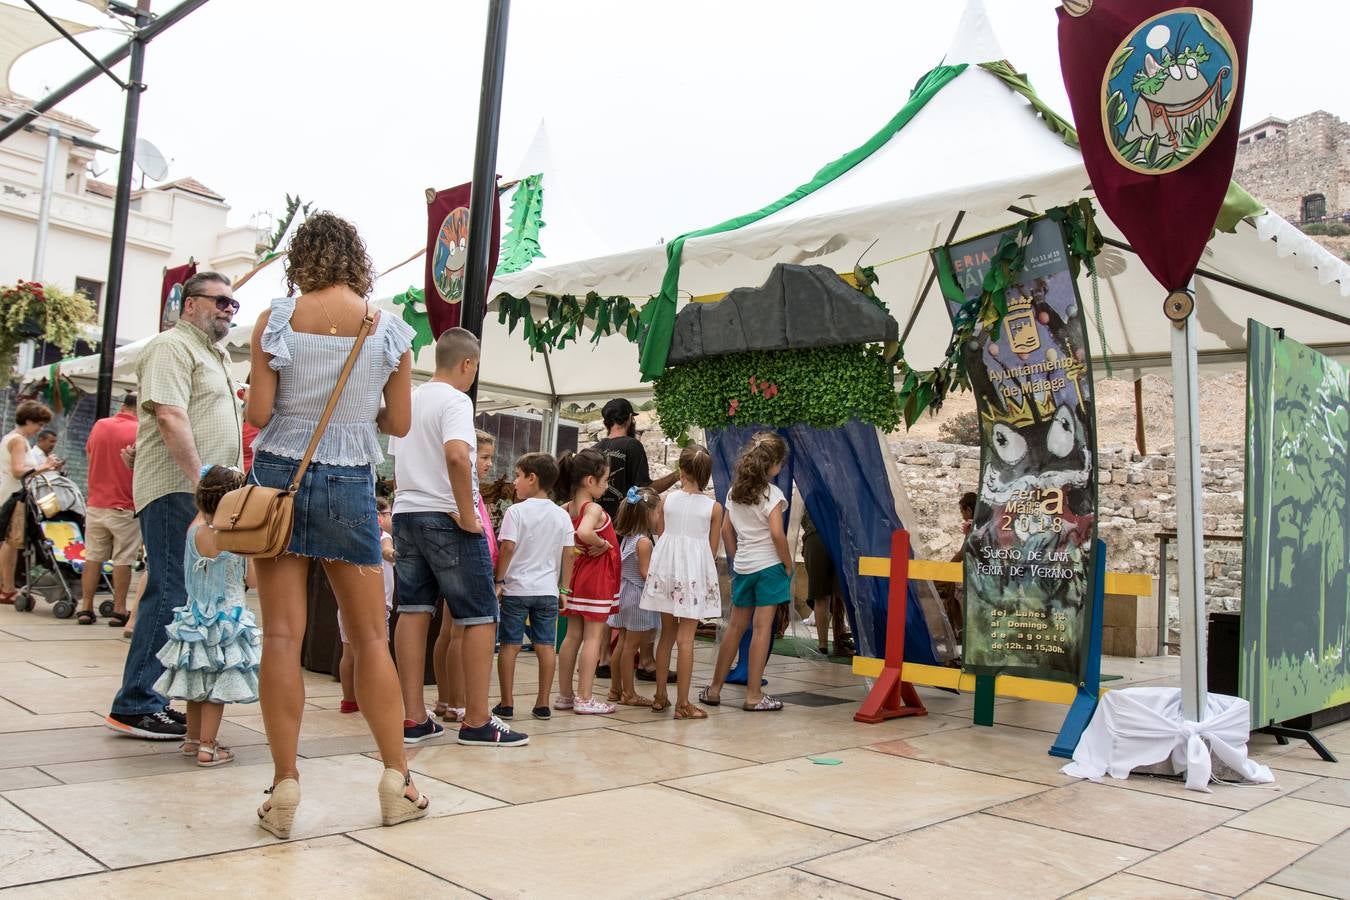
pixel 1136 500
pixel 1311 156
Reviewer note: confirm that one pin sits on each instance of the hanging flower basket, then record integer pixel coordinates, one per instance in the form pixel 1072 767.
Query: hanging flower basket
pixel 31 311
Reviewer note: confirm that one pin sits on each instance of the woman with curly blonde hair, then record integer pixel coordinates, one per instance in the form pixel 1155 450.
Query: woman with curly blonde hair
pixel 299 348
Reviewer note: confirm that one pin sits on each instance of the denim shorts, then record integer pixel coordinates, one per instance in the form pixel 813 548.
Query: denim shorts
pixel 543 613
pixel 767 587
pixel 437 558
pixel 334 509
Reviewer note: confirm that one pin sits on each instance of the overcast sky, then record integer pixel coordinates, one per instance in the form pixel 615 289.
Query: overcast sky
pixel 661 117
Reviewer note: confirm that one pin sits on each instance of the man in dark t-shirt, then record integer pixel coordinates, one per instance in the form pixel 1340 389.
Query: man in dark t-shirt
pixel 627 457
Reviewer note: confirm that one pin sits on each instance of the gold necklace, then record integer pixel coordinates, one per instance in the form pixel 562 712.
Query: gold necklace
pixel 332 326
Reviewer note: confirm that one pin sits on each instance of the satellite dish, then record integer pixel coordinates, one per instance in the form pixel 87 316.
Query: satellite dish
pixel 150 161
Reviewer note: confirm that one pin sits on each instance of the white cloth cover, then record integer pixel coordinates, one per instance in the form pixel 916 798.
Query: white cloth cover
pixel 1135 727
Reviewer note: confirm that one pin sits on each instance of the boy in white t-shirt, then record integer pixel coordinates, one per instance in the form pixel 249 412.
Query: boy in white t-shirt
pixel 534 564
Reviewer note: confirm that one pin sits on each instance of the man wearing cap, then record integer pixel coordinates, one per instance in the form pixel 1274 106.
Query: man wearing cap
pixel 627 457
pixel 111 533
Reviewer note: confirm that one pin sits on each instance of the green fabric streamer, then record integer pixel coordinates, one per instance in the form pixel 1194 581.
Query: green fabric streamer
pixel 520 245
pixel 414 304
pixel 61 395
pixel 658 315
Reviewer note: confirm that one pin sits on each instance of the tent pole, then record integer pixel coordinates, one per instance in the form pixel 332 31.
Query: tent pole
pixel 483 194
pixel 121 211
pixel 550 436
pixel 932 277
pixel 1140 441
pixel 1190 518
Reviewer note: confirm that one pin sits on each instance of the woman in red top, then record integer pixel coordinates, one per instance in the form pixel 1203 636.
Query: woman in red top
pixel 594 594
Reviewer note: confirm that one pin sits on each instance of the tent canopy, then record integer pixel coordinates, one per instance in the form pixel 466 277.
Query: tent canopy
pixel 976 158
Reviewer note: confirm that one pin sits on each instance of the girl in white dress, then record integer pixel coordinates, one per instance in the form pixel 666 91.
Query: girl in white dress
pixel 682 583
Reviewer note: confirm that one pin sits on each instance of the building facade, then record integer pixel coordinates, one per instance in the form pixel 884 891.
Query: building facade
pixel 1300 168
pixel 168 223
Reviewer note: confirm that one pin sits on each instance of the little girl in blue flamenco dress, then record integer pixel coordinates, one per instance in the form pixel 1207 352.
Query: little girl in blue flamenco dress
pixel 212 653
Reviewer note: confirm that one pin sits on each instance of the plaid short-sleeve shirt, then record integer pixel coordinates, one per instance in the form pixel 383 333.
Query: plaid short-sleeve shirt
pixel 183 368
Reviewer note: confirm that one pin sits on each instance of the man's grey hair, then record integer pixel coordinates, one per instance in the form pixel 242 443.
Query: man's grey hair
pixel 195 284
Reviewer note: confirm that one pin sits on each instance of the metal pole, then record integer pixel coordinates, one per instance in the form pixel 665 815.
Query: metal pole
pixel 1190 519
pixel 27 348
pixel 45 205
pixel 121 210
pixel 152 31
pixel 484 193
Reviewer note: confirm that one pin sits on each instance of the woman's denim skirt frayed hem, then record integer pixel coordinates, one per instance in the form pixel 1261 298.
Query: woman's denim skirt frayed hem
pixel 335 515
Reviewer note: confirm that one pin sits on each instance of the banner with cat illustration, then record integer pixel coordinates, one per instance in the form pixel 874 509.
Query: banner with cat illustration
pixel 1029 554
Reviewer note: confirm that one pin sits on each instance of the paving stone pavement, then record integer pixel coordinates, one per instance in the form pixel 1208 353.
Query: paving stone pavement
pixel 638 805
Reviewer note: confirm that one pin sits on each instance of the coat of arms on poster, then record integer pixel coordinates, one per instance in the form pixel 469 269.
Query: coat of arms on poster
pixel 1029 557
pixel 1168 90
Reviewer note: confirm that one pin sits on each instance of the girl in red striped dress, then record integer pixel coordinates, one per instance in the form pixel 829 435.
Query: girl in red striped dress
pixel 594 593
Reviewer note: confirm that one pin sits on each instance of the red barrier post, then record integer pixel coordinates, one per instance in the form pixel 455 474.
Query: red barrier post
pixel 891 697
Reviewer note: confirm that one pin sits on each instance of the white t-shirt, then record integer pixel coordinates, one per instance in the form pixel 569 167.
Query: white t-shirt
pixel 440 414
pixel 754 545
pixel 388 573
pixel 540 529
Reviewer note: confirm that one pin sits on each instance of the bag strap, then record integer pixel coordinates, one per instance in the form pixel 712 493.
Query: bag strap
pixel 366 325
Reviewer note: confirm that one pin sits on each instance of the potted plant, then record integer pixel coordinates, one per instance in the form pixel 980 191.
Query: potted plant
pixel 32 311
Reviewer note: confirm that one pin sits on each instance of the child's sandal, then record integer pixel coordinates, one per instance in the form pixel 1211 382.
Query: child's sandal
pixel 615 696
pixel 189 747
pixel 635 699
pixel 660 704
pixel 216 755
pixel 689 711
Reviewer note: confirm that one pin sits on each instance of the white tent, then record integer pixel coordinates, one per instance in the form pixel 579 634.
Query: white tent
pixel 975 152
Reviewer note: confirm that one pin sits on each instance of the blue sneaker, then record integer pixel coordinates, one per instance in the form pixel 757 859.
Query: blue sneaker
pixel 492 733
pixel 416 734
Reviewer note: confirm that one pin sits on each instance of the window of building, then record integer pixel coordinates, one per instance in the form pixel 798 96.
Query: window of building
pixel 1260 135
pixel 1246 140
pixel 93 290
pixel 1314 208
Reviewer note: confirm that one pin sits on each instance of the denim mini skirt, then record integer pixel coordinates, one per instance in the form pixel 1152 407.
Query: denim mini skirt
pixel 334 509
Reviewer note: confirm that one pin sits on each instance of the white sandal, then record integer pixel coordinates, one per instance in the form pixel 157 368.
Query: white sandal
pixel 218 755
pixel 189 747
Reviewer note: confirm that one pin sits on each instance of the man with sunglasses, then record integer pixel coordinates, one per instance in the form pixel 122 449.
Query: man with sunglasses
pixel 189 417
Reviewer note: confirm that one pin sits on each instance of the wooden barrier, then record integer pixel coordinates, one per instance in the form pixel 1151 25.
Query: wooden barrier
pixel 893 693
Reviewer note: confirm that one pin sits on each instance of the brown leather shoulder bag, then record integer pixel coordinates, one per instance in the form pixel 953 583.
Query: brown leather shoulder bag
pixel 256 521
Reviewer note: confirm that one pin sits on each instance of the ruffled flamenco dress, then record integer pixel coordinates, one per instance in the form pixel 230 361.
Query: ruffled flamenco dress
pixel 214 643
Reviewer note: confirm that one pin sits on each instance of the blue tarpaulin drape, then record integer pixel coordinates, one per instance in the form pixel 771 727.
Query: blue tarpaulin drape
pixel 842 478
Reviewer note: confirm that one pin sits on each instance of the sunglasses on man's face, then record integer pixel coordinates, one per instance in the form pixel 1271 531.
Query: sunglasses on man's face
pixel 224 304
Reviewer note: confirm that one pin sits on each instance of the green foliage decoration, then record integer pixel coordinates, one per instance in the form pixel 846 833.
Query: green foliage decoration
pixel 822 388
pixel 520 244
pixel 566 318
pixel 414 303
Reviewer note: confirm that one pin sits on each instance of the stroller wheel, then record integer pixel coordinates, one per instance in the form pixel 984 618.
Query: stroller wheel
pixel 106 608
pixel 23 601
pixel 63 609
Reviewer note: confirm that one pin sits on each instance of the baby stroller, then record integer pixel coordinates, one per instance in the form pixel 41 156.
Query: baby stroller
pixel 53 549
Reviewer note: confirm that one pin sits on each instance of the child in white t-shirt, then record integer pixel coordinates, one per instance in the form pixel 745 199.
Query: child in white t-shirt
pixel 534 559
pixel 347 667
pixel 756 542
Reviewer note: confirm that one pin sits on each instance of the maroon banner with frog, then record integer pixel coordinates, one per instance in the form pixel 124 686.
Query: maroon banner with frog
pixel 448 251
pixel 1156 91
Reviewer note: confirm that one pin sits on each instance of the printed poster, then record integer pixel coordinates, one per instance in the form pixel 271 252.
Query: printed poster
pixel 1029 554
